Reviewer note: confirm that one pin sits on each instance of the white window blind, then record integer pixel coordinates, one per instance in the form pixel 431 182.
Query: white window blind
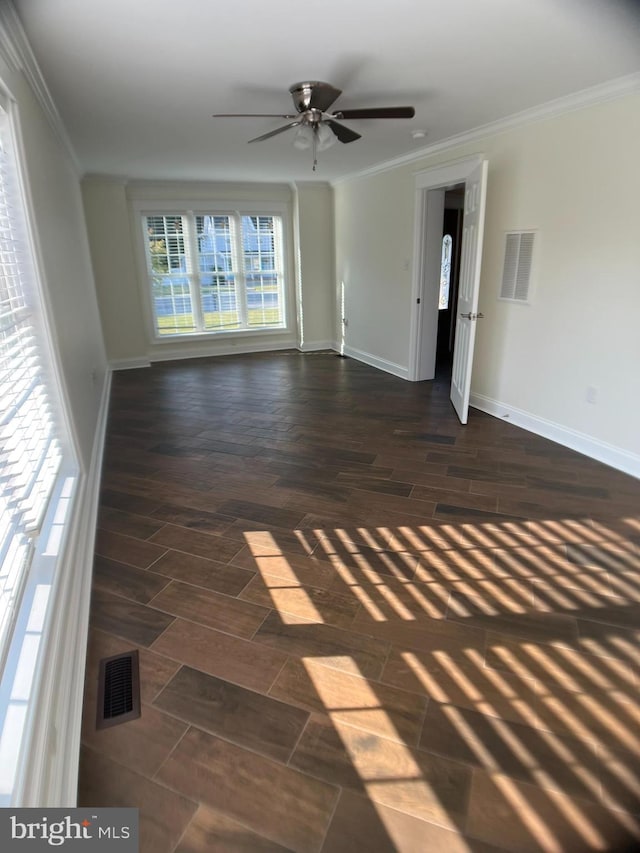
pixel 30 451
pixel 215 272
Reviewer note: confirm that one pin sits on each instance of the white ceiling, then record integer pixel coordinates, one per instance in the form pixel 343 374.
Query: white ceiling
pixel 136 81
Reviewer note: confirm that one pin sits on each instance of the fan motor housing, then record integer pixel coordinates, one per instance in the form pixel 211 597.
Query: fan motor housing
pixel 302 92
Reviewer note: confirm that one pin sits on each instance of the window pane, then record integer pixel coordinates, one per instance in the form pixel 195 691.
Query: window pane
pixel 264 305
pixel 166 244
pixel 172 304
pixel 219 302
pixel 213 272
pixel 30 449
pixel 215 247
pixel 259 243
pixel 262 257
pixel 167 253
pixel 445 272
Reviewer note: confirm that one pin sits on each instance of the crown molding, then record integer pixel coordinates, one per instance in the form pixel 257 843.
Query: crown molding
pixel 203 187
pixel 310 185
pixel 99 178
pixel 611 90
pixel 8 50
pixel 16 51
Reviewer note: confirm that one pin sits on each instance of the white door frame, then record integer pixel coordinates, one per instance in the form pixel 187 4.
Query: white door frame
pixel 430 185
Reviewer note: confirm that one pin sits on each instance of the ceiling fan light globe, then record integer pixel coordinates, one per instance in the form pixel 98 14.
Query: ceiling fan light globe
pixel 326 137
pixel 303 138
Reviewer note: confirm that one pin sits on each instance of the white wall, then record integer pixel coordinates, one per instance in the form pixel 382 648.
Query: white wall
pixel 64 262
pixel 315 264
pixel 120 274
pixel 575 179
pixel 374 243
pixel 109 228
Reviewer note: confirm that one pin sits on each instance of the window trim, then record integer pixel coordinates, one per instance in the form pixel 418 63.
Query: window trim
pixel 53 553
pixel 160 207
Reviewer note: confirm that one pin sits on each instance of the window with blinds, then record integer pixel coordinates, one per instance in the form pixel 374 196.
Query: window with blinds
pixel 215 272
pixel 30 448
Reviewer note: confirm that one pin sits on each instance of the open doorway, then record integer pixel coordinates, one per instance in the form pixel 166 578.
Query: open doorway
pixel 431 188
pixel 449 279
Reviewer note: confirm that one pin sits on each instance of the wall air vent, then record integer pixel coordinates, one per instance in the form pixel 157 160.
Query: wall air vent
pixel 118 690
pixel 516 274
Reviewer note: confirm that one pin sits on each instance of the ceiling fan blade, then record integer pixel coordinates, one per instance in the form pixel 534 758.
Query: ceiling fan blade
pixel 344 134
pixel 322 96
pixel 378 112
pixel 275 132
pixel 251 115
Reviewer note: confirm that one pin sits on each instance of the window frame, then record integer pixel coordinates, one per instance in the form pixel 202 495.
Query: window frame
pixel 28 652
pixel 142 209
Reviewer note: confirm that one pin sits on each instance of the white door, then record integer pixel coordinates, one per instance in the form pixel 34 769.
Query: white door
pixel 468 287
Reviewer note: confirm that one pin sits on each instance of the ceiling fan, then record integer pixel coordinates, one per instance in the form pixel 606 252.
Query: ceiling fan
pixel 317 127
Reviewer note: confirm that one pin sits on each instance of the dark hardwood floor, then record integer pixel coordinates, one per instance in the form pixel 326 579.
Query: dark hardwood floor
pixel 361 626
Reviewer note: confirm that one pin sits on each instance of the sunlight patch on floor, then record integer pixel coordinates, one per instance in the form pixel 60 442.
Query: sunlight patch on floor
pixel 539 828
pixel 509 688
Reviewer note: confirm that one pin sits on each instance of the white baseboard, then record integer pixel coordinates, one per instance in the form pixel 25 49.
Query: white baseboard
pixel 239 348
pixel 50 774
pixel 316 346
pixel 129 363
pixel 608 454
pixel 382 364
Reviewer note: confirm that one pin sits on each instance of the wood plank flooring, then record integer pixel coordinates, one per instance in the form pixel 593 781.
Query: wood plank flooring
pixel 361 626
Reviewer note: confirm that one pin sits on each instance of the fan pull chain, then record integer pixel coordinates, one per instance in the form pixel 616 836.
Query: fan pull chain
pixel 314 138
